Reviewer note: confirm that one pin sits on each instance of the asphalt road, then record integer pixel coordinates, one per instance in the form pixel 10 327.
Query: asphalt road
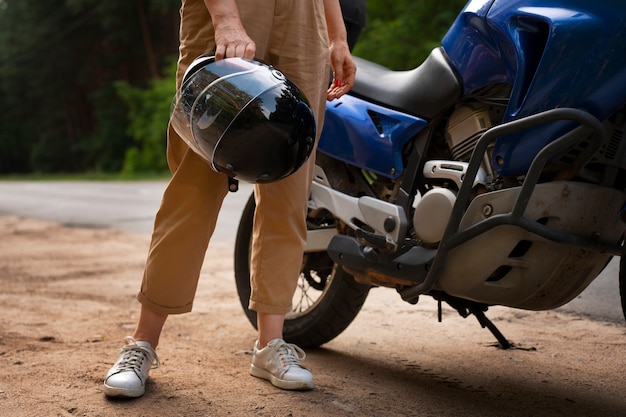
pixel 131 206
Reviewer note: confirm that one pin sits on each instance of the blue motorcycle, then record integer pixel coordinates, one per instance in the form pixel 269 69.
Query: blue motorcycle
pixel 492 174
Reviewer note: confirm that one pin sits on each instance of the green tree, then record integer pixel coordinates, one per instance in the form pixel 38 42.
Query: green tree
pixel 59 60
pixel 148 112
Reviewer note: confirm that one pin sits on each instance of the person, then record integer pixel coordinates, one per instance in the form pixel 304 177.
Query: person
pixel 355 17
pixel 304 40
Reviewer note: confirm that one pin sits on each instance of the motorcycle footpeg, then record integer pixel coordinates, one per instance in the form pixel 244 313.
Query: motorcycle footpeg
pixel 411 264
pixel 378 242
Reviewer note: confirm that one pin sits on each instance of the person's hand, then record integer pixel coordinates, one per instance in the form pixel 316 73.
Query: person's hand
pixel 231 40
pixel 344 70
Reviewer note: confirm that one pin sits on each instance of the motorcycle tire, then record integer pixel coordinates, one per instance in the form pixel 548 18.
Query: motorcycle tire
pixel 622 283
pixel 327 298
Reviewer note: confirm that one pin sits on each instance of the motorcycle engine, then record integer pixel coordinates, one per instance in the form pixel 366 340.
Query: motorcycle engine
pixel 433 209
pixel 466 125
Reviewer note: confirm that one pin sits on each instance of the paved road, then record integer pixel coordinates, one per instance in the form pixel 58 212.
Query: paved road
pixel 132 205
pixel 129 206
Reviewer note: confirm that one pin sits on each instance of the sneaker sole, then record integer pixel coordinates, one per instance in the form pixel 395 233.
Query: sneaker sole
pixel 110 391
pixel 281 383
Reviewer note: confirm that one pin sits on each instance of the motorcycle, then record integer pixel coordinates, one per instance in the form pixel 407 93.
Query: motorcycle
pixel 492 174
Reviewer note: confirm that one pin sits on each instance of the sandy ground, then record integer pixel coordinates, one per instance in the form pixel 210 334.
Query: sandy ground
pixel 68 300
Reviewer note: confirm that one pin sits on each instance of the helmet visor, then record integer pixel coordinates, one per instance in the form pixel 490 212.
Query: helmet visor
pixel 213 97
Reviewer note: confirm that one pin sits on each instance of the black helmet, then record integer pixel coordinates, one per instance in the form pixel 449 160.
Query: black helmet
pixel 244 118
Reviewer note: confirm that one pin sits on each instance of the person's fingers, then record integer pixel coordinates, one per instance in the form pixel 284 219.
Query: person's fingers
pixel 250 50
pixel 220 52
pixel 338 77
pixel 335 92
pixel 348 82
pixel 245 50
pixel 343 80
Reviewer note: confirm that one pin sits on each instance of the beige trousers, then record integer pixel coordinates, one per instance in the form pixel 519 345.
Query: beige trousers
pixel 292 36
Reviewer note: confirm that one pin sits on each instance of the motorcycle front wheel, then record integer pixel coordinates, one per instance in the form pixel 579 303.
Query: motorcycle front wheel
pixel 327 299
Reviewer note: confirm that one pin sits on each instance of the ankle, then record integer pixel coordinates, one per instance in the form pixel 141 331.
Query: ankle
pixel 149 326
pixel 270 327
pixel 263 342
pixel 143 337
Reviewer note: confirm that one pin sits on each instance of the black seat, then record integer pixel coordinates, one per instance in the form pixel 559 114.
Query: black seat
pixel 424 91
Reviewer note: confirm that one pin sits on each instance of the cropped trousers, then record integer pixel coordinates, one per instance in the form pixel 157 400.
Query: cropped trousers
pixel 291 35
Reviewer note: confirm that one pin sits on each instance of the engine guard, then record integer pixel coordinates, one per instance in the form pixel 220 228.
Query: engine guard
pixel 505 264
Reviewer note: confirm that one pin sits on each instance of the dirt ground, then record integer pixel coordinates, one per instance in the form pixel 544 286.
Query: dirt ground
pixel 68 301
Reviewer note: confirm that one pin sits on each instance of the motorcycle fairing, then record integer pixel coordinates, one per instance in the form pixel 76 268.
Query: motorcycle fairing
pixel 525 43
pixel 366 135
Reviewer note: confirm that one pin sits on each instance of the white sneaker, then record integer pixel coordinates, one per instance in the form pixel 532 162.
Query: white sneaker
pixel 279 363
pixel 127 378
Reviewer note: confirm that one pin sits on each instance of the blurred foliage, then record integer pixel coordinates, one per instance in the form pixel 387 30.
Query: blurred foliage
pixel 59 63
pixel 148 113
pixel 401 33
pixel 86 85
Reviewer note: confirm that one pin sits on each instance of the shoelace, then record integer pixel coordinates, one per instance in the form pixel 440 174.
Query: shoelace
pixel 134 355
pixel 290 354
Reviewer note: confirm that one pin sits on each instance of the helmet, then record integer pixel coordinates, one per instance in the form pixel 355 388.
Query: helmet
pixel 244 118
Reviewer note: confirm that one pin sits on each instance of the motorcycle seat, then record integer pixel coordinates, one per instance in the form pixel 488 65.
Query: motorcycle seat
pixel 424 91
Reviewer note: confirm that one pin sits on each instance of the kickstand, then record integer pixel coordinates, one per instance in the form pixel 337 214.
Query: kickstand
pixel 465 308
pixel 485 322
